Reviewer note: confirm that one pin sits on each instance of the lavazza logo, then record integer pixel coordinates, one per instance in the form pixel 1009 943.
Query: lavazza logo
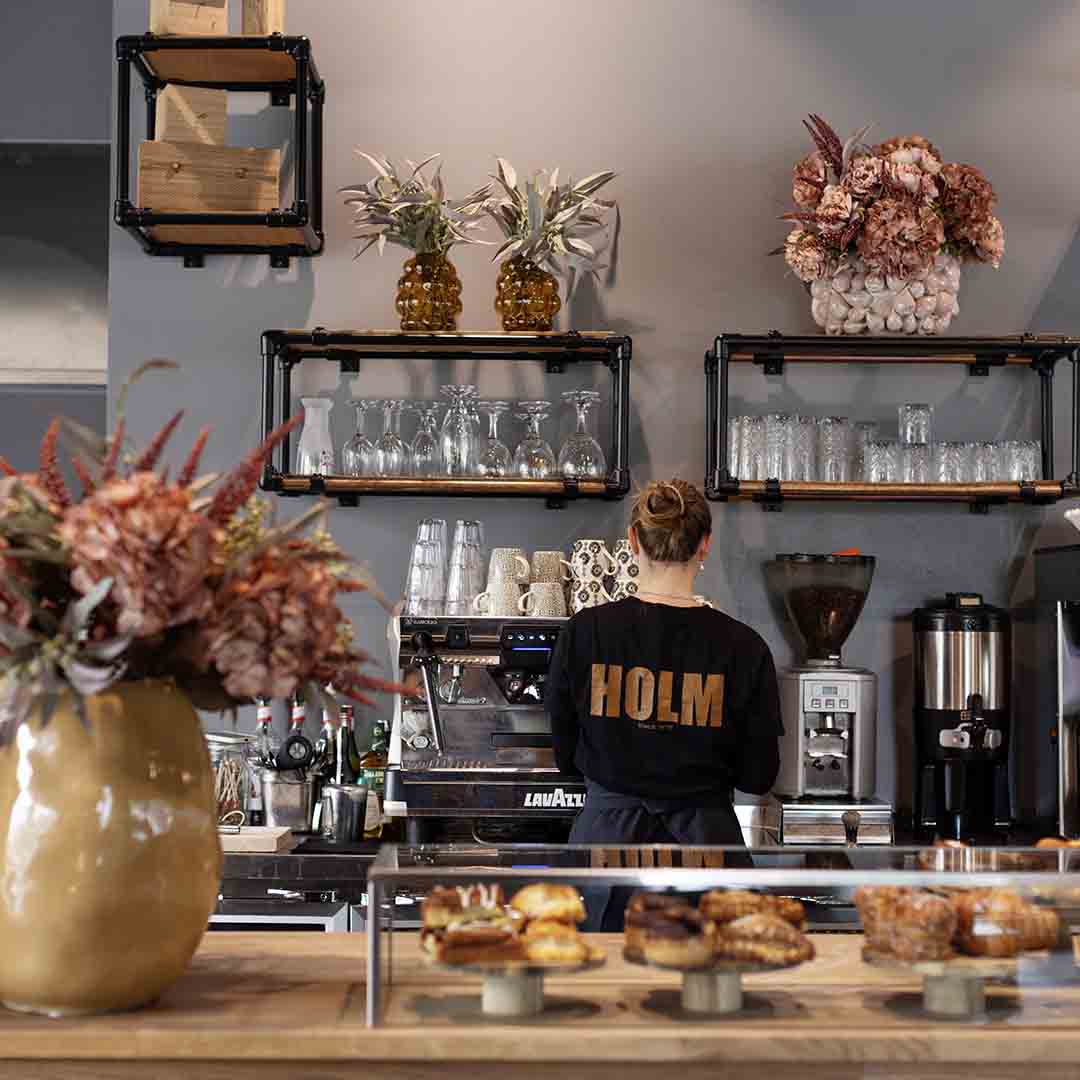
pixel 554 800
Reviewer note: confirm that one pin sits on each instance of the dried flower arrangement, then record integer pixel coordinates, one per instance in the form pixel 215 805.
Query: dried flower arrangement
pixel 880 231
pixel 406 207
pixel 895 204
pixel 145 577
pixel 544 221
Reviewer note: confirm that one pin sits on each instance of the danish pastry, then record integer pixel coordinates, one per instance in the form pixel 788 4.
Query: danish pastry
pixel 1001 923
pixel 549 942
pixel 647 909
pixel 911 925
pixel 724 906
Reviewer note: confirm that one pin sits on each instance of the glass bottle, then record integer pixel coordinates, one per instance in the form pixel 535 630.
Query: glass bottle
pixel 346 758
pixel 373 764
pixel 315 451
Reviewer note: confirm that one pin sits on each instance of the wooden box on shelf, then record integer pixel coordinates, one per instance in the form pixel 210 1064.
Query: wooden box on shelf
pixel 189 17
pixel 264 17
pixel 191 114
pixel 191 178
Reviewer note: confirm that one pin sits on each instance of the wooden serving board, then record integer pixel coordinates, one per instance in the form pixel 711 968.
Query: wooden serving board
pixel 258 840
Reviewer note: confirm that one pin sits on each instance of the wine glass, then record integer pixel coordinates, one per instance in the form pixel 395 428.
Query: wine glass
pixel 391 452
pixel 358 453
pixel 534 458
pixel 494 459
pixel 581 455
pixel 457 439
pixel 426 458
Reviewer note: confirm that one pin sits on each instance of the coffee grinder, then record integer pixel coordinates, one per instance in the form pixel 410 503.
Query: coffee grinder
pixel 825 788
pixel 962 709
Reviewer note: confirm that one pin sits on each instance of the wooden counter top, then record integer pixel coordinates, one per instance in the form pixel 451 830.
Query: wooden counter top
pixel 292 1005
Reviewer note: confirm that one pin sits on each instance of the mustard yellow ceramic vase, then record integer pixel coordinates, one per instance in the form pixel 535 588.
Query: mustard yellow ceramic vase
pixel 109 852
pixel 526 296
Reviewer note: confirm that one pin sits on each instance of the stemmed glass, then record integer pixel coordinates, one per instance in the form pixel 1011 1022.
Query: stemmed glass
pixel 426 457
pixel 581 454
pixel 358 453
pixel 458 437
pixel 391 451
pixel 494 459
pixel 534 458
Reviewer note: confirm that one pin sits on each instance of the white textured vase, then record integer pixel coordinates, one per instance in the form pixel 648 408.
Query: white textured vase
pixel 856 300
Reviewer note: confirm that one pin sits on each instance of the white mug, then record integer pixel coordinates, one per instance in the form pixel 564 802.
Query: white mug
pixel 500 598
pixel 626 562
pixel 623 588
pixel 509 564
pixel 588 594
pixel 591 559
pixel 544 600
pixel 548 566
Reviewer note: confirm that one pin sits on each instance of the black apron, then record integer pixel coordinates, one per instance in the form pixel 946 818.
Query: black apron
pixel 614 819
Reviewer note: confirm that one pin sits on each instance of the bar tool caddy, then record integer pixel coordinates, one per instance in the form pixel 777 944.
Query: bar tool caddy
pixel 963 658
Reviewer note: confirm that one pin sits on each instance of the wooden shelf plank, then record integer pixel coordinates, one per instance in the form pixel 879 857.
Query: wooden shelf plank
pixel 217 66
pixel 862 492
pixel 439 486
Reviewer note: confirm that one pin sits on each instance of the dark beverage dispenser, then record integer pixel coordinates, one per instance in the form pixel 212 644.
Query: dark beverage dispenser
pixel 963 657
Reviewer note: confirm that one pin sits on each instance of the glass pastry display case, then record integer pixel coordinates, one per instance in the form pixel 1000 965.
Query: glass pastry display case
pixel 597 934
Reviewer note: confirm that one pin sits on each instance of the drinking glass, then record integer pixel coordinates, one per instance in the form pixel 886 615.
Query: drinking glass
pixel 426 458
pixel 984 462
pixel 1020 461
pixel 391 450
pixel 862 432
pixel 777 426
pixel 534 458
pixel 734 426
pixel 915 463
pixel 804 451
pixel 425 591
pixel 315 451
pixel 457 439
pixel 429 531
pixel 465 575
pixel 752 448
pixel 1033 460
pixel 834 449
pixel 581 455
pixel 494 458
pixel 358 453
pixel 951 463
pixel 916 422
pixel 882 462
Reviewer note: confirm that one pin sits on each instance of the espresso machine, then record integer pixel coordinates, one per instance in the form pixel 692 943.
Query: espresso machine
pixel 825 789
pixel 471 754
pixel 963 656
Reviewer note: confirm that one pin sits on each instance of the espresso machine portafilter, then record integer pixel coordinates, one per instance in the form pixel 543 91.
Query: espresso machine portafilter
pixel 963 655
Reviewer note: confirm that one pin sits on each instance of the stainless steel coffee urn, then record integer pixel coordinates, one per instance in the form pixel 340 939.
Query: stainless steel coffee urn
pixel 963 659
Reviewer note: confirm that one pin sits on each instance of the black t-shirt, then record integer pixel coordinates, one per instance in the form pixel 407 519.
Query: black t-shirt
pixel 665 702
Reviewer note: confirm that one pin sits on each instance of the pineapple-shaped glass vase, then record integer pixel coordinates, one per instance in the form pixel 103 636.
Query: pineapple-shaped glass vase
pixel 429 294
pixel 526 296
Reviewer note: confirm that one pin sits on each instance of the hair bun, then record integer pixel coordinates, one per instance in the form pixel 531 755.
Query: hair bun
pixel 662 505
pixel 671 517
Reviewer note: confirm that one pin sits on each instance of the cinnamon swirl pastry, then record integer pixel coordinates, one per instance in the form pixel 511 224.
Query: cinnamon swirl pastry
pixel 678 938
pixel 762 939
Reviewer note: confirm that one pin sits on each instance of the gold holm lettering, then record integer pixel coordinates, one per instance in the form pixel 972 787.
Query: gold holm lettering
pixel 606 690
pixel 640 693
pixel 703 705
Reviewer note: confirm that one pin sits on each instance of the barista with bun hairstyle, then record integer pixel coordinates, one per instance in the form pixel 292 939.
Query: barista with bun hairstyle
pixel 662 703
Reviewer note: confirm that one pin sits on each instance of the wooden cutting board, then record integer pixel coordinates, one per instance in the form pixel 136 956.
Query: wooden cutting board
pixel 258 840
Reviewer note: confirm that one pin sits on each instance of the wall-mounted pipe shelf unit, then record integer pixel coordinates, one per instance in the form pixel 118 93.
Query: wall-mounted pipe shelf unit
pixel 282 350
pixel 773 351
pixel 282 67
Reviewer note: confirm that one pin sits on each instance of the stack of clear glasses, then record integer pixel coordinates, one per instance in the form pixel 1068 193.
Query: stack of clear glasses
pixel 465 573
pixel 465 442
pixel 787 446
pixel 425 583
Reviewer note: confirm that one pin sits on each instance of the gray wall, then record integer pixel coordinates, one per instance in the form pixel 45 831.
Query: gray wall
pixel 697 104
pixel 55 79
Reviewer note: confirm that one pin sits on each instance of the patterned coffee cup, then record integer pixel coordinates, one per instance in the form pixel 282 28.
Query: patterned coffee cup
pixel 548 566
pixel 591 559
pixel 544 600
pixel 625 561
pixel 500 598
pixel 509 564
pixel 588 594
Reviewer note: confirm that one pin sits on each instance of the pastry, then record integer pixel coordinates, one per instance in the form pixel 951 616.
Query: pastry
pixel 644 910
pixel 476 902
pixel 678 938
pixel 509 951
pixel 910 925
pixel 762 939
pixel 542 901
pixel 549 942
pixel 1001 923
pixel 724 906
